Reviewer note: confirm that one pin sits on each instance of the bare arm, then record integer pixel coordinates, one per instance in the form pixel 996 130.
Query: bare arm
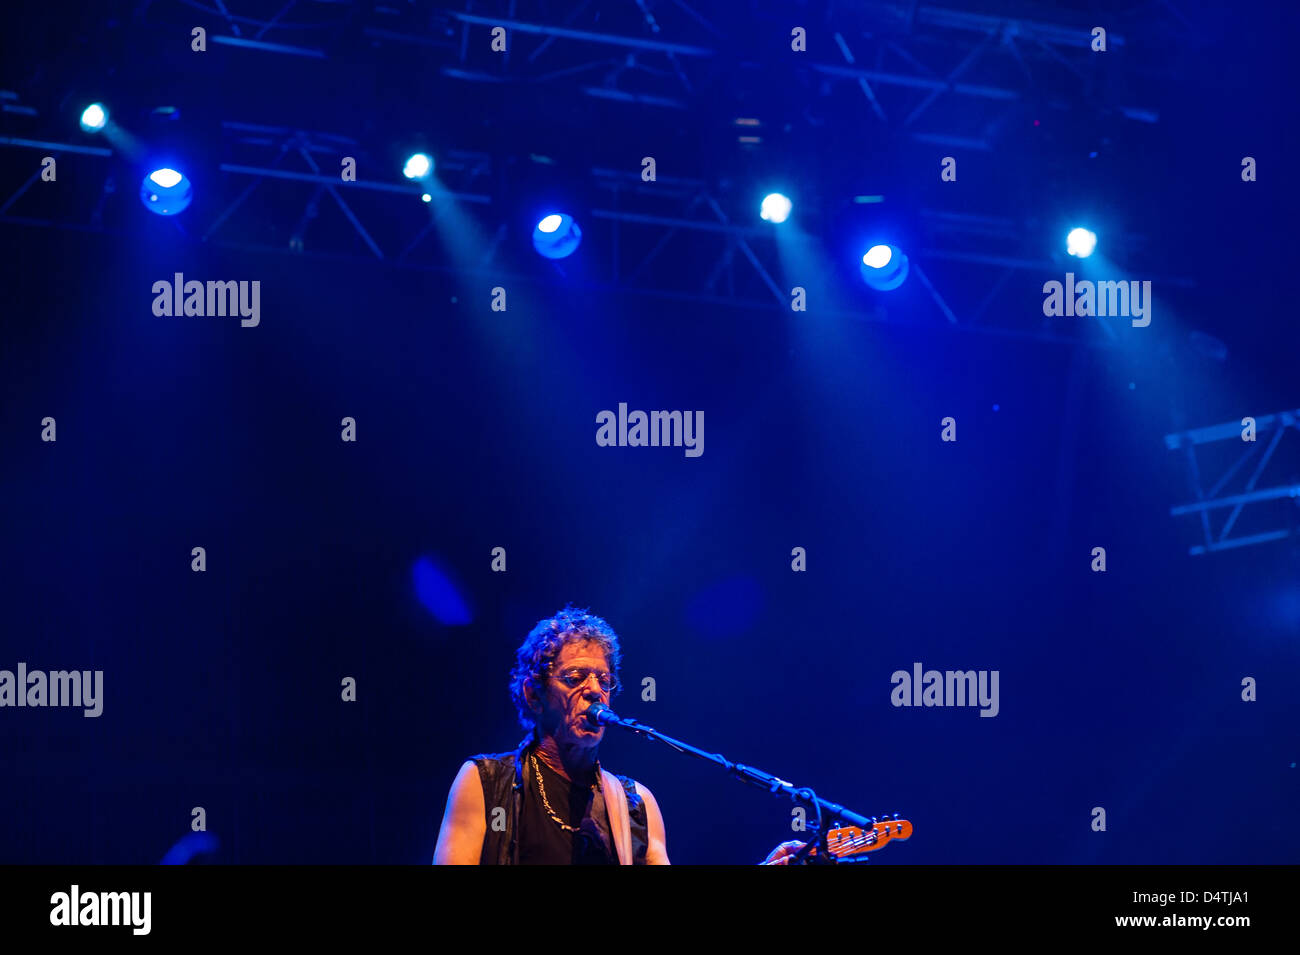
pixel 460 841
pixel 656 852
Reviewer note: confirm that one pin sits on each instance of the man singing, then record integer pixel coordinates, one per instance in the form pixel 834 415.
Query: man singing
pixel 549 802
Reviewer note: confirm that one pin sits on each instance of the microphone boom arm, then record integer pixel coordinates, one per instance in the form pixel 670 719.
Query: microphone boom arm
pixel 746 774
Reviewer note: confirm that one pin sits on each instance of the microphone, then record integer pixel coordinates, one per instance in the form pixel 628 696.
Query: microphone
pixel 599 714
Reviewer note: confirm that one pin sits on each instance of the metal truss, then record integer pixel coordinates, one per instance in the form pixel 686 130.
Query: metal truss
pixel 885 48
pixel 920 72
pixel 907 60
pixel 279 143
pixel 279 199
pixel 1273 427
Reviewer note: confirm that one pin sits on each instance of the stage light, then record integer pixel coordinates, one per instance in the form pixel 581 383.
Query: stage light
pixel 438 588
pixel 94 118
pixel 418 166
pixel 877 256
pixel 426 198
pixel 556 236
pixel 166 178
pixel 1080 242
pixel 190 845
pixel 775 208
pixel 166 192
pixel 884 267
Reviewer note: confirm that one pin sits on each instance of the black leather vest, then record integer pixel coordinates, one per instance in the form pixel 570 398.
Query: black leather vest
pixel 504 777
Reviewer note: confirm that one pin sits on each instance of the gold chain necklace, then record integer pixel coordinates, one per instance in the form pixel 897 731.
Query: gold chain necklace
pixel 546 802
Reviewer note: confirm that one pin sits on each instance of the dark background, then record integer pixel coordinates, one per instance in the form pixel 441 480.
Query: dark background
pixel 476 430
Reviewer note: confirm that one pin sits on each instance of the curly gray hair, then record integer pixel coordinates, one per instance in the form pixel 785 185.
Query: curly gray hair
pixel 536 655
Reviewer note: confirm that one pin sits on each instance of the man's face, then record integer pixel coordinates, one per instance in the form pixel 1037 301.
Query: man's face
pixel 564 707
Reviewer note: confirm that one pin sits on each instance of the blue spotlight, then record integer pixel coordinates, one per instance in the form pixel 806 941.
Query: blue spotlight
pixel 166 192
pixel 190 845
pixel 426 198
pixel 775 208
pixel 884 267
pixel 418 166
pixel 437 589
pixel 1080 242
pixel 94 118
pixel 878 256
pixel 556 236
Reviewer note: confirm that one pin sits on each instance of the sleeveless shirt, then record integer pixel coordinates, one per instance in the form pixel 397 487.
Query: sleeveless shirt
pixel 508 781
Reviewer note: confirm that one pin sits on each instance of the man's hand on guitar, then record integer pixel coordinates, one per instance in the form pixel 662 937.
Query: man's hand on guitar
pixel 845 842
pixel 782 854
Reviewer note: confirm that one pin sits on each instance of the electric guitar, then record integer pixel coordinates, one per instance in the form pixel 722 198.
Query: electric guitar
pixel 849 841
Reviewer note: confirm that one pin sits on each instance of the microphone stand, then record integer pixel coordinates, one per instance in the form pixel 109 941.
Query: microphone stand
pixel 825 809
